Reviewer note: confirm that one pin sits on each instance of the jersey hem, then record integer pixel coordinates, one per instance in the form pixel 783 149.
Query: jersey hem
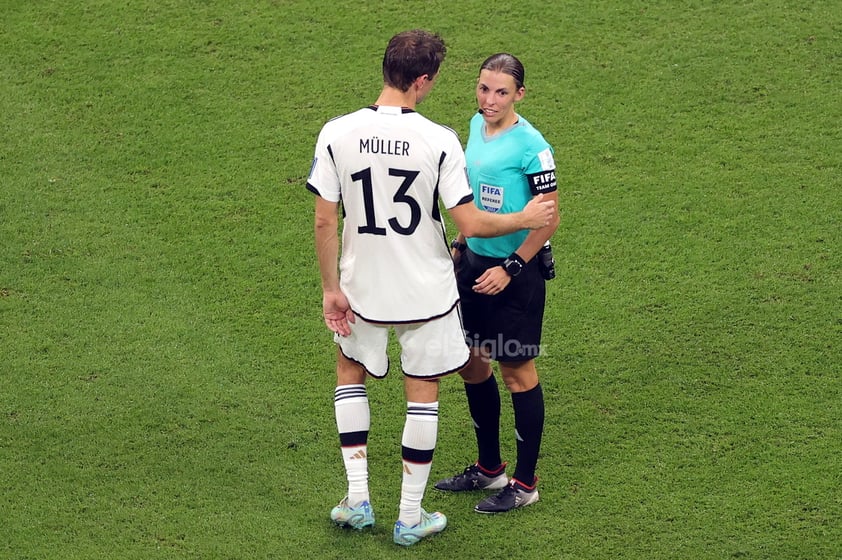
pixel 442 374
pixel 405 321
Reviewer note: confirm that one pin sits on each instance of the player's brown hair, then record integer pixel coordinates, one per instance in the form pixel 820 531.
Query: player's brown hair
pixel 412 54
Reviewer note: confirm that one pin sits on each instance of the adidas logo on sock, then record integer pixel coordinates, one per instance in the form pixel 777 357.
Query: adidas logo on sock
pixel 359 454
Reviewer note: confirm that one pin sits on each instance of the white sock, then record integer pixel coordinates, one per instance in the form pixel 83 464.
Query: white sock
pixel 353 420
pixel 419 442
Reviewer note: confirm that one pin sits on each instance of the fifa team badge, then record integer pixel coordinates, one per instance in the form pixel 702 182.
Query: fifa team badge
pixel 491 197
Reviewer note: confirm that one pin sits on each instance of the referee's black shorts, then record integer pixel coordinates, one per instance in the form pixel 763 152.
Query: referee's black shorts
pixel 508 325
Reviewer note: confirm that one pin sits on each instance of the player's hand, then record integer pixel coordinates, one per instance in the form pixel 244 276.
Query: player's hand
pixel 337 312
pixel 539 212
pixel 493 281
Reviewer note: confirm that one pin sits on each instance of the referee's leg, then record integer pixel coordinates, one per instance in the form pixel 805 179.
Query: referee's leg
pixel 521 379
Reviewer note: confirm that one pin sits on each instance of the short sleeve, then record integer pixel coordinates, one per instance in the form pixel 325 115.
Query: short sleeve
pixel 539 169
pixel 324 179
pixel 454 187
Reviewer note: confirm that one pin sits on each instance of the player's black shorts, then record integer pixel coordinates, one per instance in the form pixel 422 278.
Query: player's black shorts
pixel 508 324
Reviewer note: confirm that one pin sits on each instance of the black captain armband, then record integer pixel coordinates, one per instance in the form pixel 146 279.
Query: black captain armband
pixel 542 182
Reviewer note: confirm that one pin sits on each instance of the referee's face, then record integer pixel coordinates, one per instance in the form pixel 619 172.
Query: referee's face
pixel 496 96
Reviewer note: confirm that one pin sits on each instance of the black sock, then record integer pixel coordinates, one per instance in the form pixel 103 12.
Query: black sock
pixel 529 426
pixel 484 406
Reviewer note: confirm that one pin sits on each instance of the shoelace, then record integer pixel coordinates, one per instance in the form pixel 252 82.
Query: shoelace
pixel 508 490
pixel 469 472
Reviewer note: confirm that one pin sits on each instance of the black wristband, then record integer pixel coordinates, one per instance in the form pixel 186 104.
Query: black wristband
pixel 516 257
pixel 458 246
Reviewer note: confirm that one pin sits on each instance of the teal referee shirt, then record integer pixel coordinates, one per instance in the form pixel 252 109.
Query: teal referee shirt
pixel 506 171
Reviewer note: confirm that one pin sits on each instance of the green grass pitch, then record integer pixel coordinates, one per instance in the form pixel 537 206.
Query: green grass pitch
pixel 166 381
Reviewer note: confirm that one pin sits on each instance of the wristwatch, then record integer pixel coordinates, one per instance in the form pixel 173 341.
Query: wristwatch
pixel 458 246
pixel 513 264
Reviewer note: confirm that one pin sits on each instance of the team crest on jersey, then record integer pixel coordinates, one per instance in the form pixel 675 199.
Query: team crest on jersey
pixel 490 197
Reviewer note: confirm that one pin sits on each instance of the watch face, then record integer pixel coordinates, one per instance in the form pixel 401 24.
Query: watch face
pixel 512 267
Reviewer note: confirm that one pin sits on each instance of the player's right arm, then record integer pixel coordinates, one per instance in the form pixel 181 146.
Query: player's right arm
pixel 336 309
pixel 473 222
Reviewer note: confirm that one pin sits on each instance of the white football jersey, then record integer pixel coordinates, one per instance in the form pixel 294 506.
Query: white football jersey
pixel 389 167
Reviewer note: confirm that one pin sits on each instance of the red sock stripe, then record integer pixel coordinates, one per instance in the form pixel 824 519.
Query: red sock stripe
pixel 496 472
pixel 526 486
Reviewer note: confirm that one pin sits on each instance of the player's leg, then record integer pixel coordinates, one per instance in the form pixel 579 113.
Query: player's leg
pixel 428 351
pixel 353 418
pixel 418 443
pixel 417 446
pixel 353 422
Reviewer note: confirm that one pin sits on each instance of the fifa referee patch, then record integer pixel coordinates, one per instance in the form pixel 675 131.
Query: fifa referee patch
pixel 491 197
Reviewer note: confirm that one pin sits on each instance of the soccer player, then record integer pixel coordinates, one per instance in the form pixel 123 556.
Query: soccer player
pixel 501 286
pixel 386 168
